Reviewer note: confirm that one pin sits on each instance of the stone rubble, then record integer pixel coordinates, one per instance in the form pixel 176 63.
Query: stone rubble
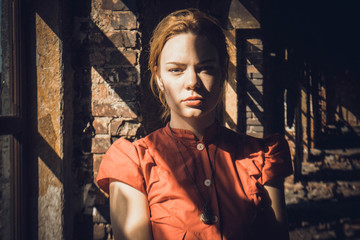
pixel 324 203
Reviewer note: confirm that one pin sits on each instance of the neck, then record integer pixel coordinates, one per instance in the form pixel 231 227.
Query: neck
pixel 197 126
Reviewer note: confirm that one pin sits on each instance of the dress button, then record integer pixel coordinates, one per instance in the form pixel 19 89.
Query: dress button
pixel 215 219
pixel 200 146
pixel 207 182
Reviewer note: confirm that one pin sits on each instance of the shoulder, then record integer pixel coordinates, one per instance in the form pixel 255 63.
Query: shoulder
pixel 249 144
pixel 151 140
pixel 122 154
pixel 264 158
pixel 141 142
pixel 122 147
pixel 233 138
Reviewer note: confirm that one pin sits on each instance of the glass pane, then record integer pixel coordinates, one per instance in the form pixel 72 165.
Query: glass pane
pixel 5 192
pixel 6 108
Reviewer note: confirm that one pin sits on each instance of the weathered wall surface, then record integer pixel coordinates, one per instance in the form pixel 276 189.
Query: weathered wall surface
pixel 45 150
pixel 255 87
pixel 114 83
pixel 49 125
pixel 106 100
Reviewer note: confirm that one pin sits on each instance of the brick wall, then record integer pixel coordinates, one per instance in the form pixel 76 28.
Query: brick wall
pixel 254 87
pixel 107 70
pixel 115 77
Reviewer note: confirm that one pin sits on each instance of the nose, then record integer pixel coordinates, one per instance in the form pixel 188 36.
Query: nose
pixel 192 80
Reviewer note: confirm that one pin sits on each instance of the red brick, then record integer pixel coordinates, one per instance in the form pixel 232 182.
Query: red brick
pixel 124 93
pixel 251 69
pixel 255 41
pixel 99 231
pixel 97 76
pixel 257 128
pixel 123 21
pixel 131 56
pixel 113 5
pixel 257 82
pixel 253 121
pixel 100 125
pixel 96 59
pixel 114 126
pixel 121 76
pixel 129 129
pixel 123 38
pixel 256 75
pixel 121 109
pixel 121 58
pixel 99 92
pixel 100 144
pixel 96 37
pixel 96 163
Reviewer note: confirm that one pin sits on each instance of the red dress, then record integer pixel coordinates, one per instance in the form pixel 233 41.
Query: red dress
pixel 243 164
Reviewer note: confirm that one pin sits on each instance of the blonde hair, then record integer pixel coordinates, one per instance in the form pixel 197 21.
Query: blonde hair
pixel 185 21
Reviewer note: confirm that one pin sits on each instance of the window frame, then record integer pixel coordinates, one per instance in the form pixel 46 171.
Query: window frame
pixel 13 125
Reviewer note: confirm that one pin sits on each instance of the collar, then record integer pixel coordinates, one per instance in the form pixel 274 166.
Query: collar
pixel 189 137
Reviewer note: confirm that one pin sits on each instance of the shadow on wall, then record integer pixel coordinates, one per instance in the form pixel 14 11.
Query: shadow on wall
pixel 322 113
pixel 107 86
pixel 41 153
pixel 94 54
pixel 341 113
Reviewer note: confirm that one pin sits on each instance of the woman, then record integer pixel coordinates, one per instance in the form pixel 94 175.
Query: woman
pixel 194 179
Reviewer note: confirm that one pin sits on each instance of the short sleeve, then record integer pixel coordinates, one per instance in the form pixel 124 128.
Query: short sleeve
pixel 277 159
pixel 121 162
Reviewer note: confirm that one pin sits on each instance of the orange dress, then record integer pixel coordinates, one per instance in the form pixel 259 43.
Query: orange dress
pixel 242 165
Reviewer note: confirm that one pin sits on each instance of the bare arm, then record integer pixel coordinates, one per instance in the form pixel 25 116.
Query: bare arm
pixel 129 212
pixel 278 224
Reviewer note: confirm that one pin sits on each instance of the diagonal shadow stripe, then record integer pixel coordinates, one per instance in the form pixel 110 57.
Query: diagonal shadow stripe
pixel 252 7
pixel 254 92
pixel 115 67
pixel 229 120
pixel 254 108
pixel 232 82
pixel 255 56
pixel 49 156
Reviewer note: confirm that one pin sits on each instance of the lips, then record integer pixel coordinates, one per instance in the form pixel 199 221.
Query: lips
pixel 193 101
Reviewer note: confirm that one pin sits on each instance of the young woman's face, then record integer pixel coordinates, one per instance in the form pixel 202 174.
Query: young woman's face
pixel 190 76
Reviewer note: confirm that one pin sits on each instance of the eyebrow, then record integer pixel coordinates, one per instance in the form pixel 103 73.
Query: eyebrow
pixel 200 63
pixel 176 63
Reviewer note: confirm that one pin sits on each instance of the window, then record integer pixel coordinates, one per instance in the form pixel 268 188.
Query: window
pixel 11 127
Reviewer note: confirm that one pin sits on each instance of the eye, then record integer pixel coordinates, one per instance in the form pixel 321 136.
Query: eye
pixel 206 69
pixel 175 70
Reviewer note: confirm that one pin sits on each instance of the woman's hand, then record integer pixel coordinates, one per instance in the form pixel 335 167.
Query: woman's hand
pixel 129 212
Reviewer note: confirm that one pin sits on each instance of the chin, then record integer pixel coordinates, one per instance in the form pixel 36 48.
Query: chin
pixel 195 113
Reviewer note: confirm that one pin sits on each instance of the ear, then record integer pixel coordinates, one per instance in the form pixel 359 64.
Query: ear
pixel 159 83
